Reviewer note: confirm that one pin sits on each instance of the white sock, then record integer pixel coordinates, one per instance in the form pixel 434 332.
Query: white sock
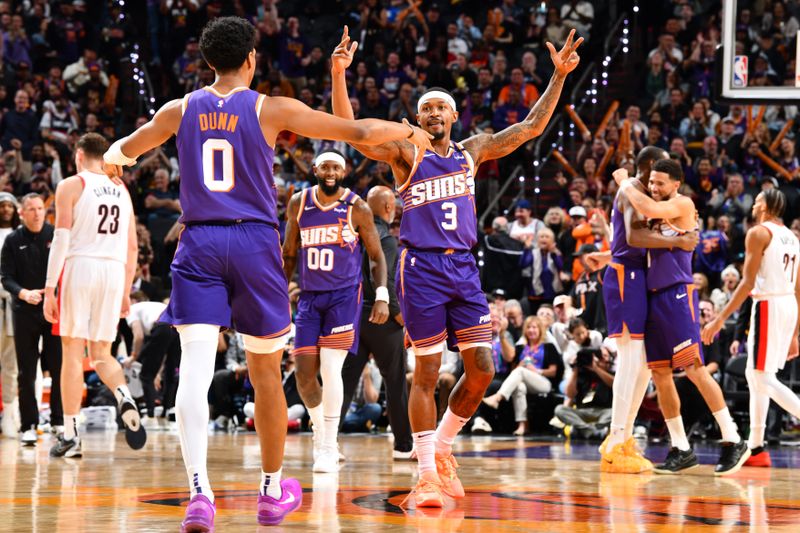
pixel 70 426
pixel 640 386
pixel 271 484
pixel 677 435
pixel 446 433
pixel 623 389
pixel 317 421
pixel 199 347
pixel 330 364
pixel 730 433
pixel 121 393
pixel 424 443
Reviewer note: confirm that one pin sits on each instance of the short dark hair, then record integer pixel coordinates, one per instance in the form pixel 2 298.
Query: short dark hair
pixel 648 155
pixel 670 167
pixel 226 42
pixel 776 202
pixel 442 89
pixel 575 323
pixel 93 145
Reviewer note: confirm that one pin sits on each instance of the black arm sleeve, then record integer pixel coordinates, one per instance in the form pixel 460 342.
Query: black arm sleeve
pixel 743 321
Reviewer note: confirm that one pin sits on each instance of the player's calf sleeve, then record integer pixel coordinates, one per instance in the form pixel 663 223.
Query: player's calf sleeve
pixel 759 407
pixel 199 347
pixel 783 395
pixel 330 363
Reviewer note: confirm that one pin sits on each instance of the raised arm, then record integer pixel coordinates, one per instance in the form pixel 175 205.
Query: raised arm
pixel 756 241
pixel 667 210
pixel 487 146
pixel 341 59
pixel 291 241
pixel 365 226
pixel 163 125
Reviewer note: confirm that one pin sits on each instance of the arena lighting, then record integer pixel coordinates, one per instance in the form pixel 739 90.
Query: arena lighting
pixel 138 73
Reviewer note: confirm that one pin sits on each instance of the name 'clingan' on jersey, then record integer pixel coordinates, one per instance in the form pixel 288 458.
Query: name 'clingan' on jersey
pixel 439 202
pixel 100 219
pixel 225 162
pixel 330 253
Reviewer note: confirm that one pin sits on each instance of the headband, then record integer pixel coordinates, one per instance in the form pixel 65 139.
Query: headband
pixel 332 157
pixel 436 94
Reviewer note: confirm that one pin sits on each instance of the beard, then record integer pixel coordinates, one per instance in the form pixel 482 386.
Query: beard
pixel 438 136
pixel 328 190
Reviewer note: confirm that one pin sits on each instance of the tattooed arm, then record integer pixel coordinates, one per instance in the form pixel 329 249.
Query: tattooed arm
pixel 486 146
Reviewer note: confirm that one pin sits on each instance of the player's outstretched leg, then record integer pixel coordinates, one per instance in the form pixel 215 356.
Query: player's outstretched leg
pixel 734 450
pixel 111 374
pixel 464 400
pixel 763 386
pixel 199 347
pixel 680 456
pixel 422 414
pixel 276 498
pixel 69 444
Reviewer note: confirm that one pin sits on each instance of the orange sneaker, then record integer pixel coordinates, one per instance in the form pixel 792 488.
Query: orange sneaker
pixel 759 457
pixel 631 450
pixel 427 493
pixel 618 462
pixel 446 468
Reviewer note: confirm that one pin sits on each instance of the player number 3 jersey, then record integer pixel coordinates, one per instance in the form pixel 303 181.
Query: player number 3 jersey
pixel 101 219
pixel 439 203
pixel 330 255
pixel 778 272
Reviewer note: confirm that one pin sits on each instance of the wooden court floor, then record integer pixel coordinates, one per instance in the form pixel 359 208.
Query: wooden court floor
pixel 512 485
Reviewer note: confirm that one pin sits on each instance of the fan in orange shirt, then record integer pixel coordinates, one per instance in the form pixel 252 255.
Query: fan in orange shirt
pixel 528 91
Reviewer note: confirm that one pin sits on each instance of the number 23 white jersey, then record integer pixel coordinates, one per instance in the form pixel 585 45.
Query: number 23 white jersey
pixel 778 271
pixel 101 219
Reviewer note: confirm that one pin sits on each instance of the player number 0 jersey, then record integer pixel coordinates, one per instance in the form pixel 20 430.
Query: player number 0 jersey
pixel 101 219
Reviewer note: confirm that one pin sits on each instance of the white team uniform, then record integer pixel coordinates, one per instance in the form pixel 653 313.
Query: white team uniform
pixel 93 282
pixel 774 314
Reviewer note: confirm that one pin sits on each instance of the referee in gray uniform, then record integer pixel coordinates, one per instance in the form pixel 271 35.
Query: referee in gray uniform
pixel 383 341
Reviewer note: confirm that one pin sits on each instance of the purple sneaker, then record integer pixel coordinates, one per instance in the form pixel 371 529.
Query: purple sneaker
pixel 199 515
pixel 271 512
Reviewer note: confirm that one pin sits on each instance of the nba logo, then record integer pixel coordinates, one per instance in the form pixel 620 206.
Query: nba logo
pixel 740 71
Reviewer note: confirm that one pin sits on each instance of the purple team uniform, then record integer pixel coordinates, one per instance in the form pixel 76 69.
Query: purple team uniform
pixel 624 285
pixel 227 270
pixel 672 333
pixel 439 289
pixel 329 308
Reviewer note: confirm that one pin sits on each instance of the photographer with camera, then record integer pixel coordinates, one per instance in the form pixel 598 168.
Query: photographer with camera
pixel 589 391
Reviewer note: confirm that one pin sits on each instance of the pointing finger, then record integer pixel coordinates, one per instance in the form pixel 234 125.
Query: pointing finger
pixel 577 44
pixel 353 48
pixel 551 48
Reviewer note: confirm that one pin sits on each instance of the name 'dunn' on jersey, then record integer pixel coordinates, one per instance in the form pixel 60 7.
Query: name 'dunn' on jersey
pixel 439 203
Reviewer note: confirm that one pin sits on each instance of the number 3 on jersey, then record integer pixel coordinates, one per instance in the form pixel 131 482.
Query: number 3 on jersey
pixel 211 170
pixel 450 215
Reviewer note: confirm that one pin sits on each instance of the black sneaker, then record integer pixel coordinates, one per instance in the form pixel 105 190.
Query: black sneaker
pixel 731 458
pixel 135 434
pixel 66 447
pixel 677 461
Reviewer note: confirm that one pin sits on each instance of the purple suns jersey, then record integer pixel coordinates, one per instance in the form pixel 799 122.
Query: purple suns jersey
pixel 225 162
pixel 621 251
pixel 439 203
pixel 330 254
pixel 667 267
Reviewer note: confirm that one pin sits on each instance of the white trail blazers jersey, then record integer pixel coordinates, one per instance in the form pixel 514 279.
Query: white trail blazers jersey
pixel 778 272
pixel 101 219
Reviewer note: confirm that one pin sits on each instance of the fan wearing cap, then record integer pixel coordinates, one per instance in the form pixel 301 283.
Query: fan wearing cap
pixel 440 294
pixel 586 231
pixel 326 227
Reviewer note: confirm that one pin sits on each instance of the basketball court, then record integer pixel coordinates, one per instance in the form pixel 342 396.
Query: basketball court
pixel 512 484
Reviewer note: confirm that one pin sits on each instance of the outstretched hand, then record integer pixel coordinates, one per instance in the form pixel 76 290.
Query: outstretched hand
pixel 710 330
pixel 566 59
pixel 343 54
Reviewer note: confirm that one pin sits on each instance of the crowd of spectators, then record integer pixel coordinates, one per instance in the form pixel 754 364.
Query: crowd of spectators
pixel 67 68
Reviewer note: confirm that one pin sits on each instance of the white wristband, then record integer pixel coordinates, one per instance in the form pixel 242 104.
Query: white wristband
pixel 114 155
pixel 382 294
pixel 625 185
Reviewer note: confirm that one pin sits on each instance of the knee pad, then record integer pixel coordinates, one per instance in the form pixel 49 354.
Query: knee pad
pixel 198 333
pixel 262 346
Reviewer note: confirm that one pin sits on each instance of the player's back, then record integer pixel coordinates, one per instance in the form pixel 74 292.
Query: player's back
pixel 439 203
pixel 225 162
pixel 621 251
pixel 330 256
pixel 668 266
pixel 778 271
pixel 101 219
